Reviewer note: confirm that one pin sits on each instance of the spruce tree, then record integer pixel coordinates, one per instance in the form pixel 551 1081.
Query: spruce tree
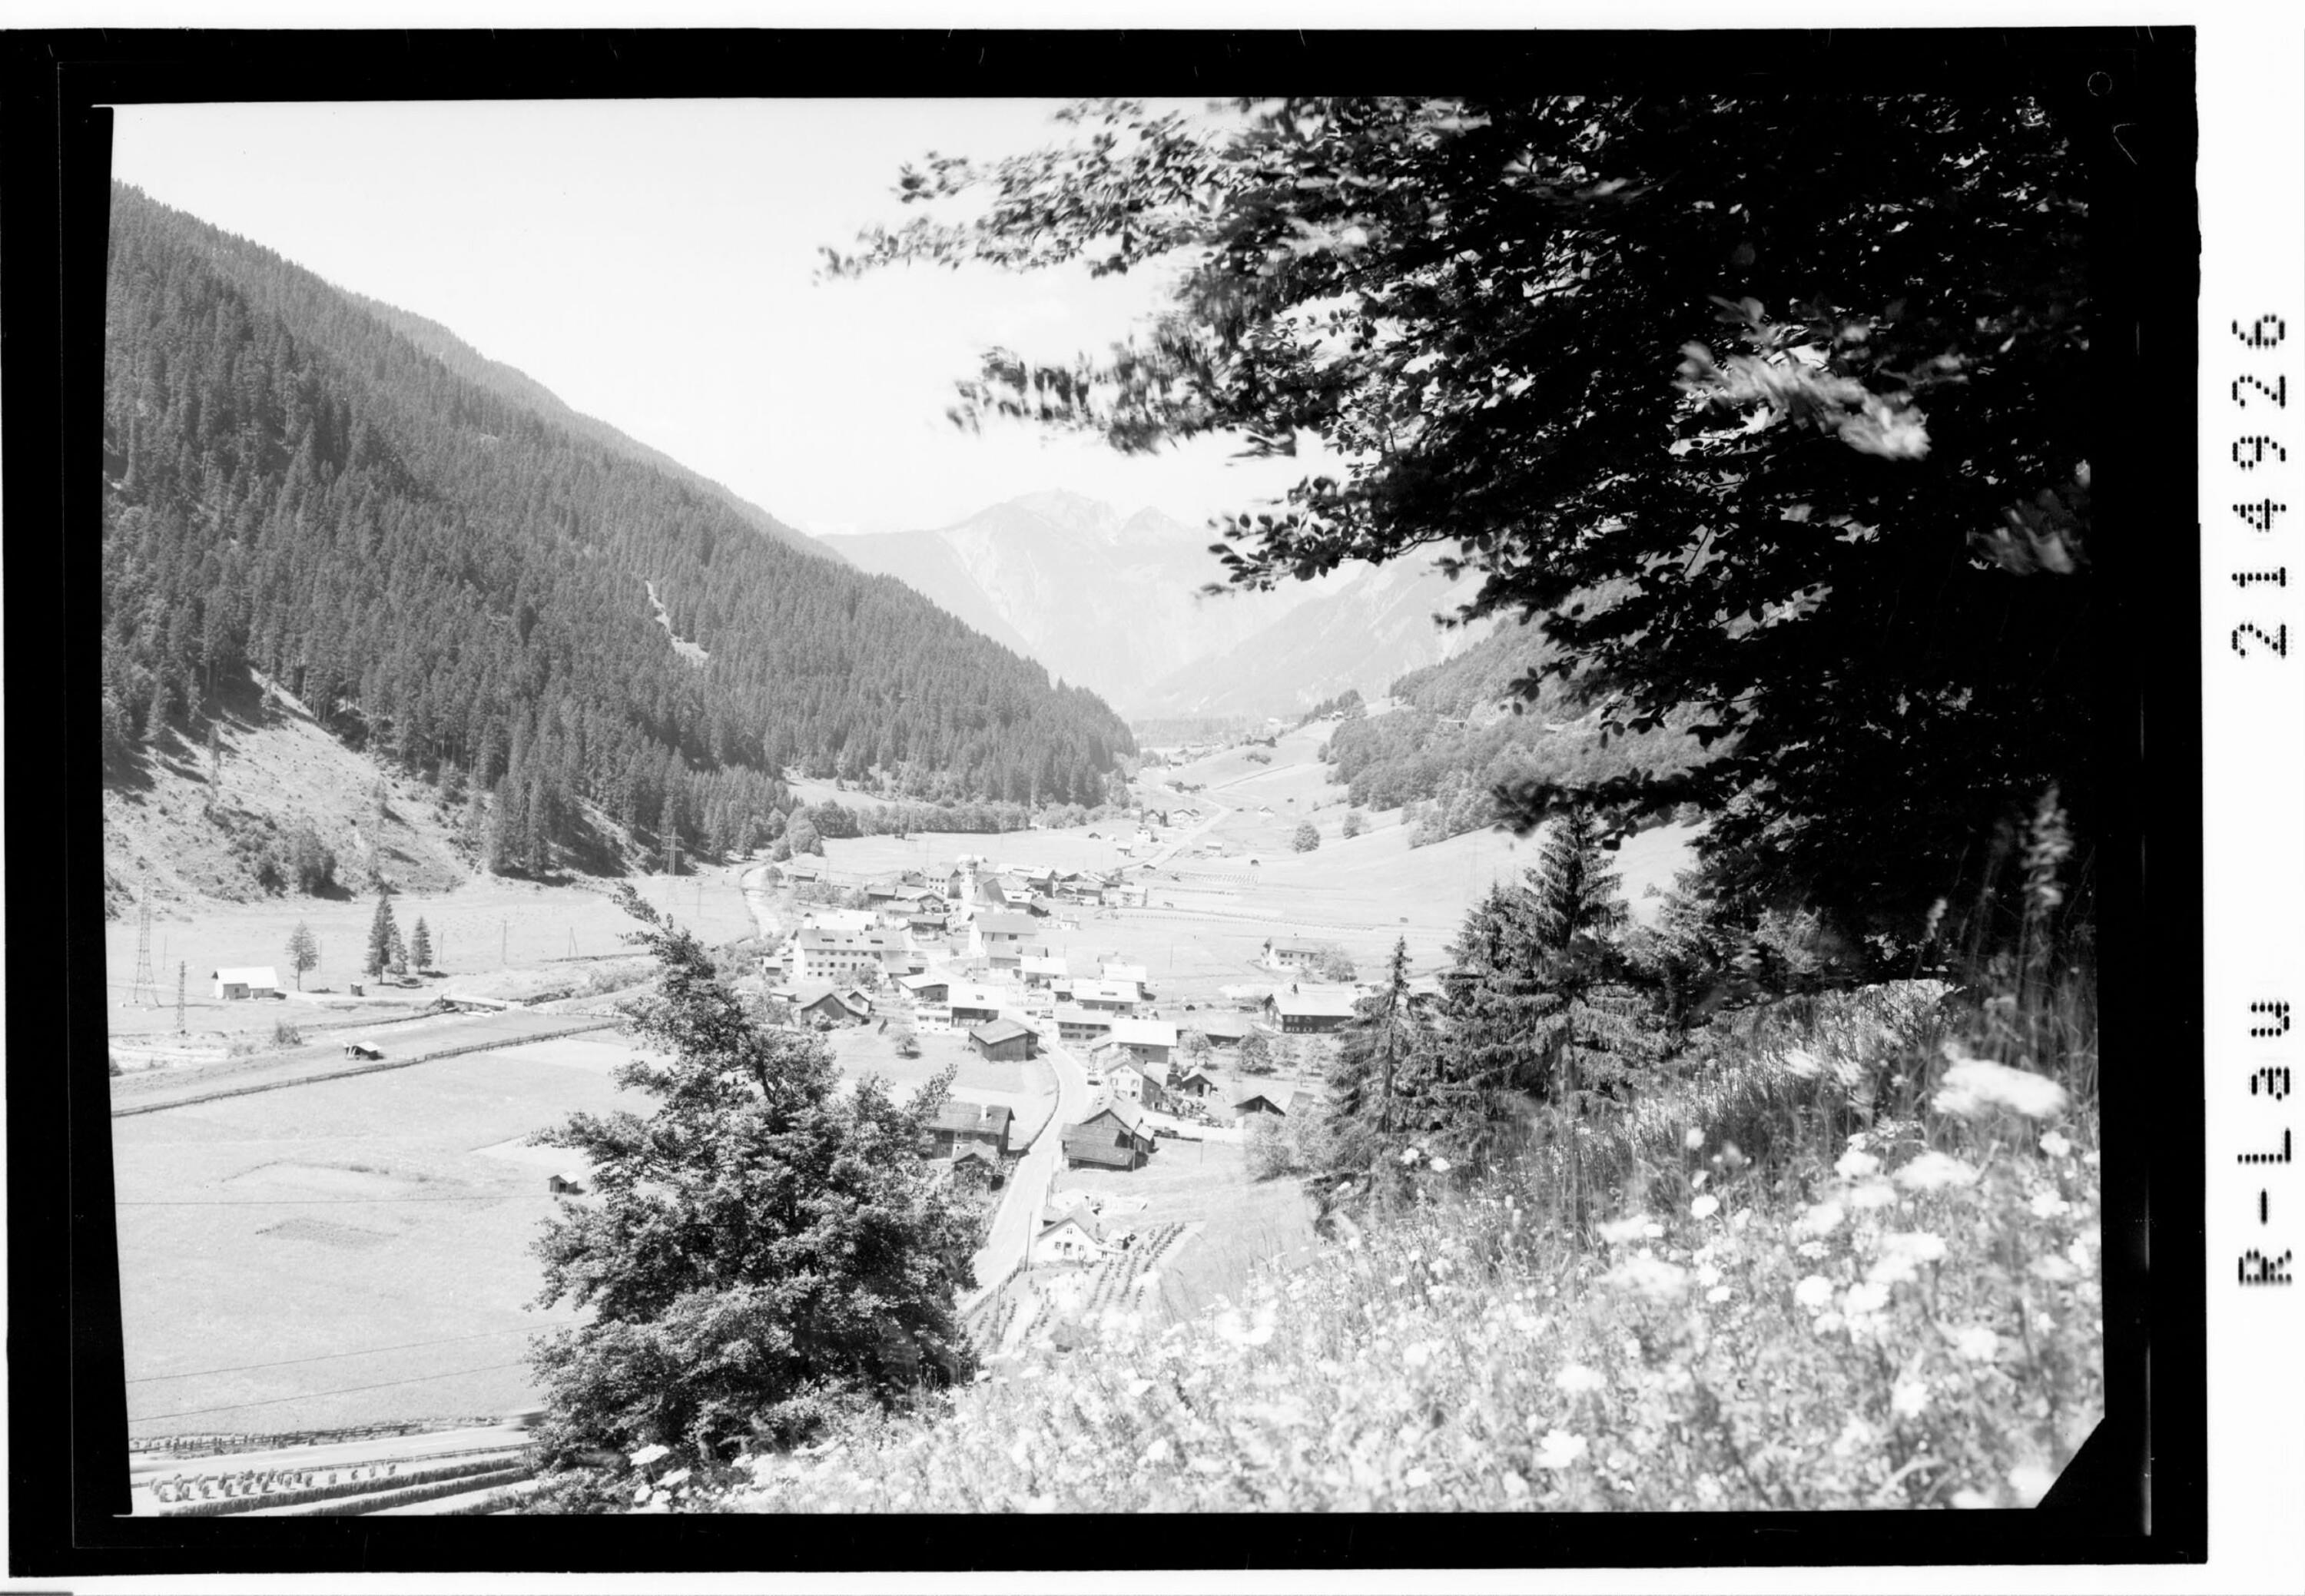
pixel 381 934
pixel 304 952
pixel 420 946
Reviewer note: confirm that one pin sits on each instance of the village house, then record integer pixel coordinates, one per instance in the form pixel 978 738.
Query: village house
pixel 1197 1083
pixel 1115 1136
pixel 1313 1010
pixel 1041 973
pixel 818 955
pixel 926 989
pixel 1291 956
pixel 1068 1238
pixel 1000 937
pixel 1143 1081
pixel 970 1004
pixel 255 980
pixel 833 1006
pixel 957 1126
pixel 1134 973
pixel 1115 997
pixel 1223 1027
pixel 1081 1026
pixel 1002 1039
pixel 1147 1041
pixel 839 919
pixel 1272 1100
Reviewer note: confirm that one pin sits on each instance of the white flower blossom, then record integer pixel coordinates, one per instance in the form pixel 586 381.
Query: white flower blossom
pixel 1560 1449
pixel 1813 1291
pixel 1978 1344
pixel 1974 1086
pixel 1707 1275
pixel 1865 1297
pixel 1855 1165
pixel 1651 1277
pixel 1811 1249
pixel 2078 1253
pixel 1931 1171
pixel 1910 1398
pixel 1719 1293
pixel 1439 1165
pixel 1576 1379
pixel 1819 1220
pixel 2048 1205
pixel 1873 1194
pixel 1969 1498
pixel 1694 1139
pixel 1704 1206
pixel 2032 1482
pixel 1418 1478
pixel 2055 1145
pixel 1627 1229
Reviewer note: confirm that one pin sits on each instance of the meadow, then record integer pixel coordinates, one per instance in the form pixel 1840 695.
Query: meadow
pixel 347 1251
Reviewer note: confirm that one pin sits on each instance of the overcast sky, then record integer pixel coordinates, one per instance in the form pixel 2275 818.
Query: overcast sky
pixel 651 263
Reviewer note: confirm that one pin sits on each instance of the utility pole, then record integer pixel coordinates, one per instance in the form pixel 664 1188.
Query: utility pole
pixel 142 990
pixel 504 943
pixel 180 997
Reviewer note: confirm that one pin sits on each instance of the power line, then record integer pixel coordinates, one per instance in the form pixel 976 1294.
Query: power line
pixel 417 1380
pixel 146 1379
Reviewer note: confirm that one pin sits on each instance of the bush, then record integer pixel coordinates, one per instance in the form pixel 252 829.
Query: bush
pixel 285 1034
pixel 1306 839
pixel 906 1041
pixel 1354 823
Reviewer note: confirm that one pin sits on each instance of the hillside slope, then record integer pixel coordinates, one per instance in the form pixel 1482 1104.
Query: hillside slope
pixel 519 387
pixel 460 583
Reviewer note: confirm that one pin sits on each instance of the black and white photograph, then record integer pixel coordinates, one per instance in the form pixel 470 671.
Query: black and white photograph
pixel 1214 802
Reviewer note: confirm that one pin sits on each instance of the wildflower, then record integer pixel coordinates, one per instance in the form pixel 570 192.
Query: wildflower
pixel 1855 1436
pixel 1418 1478
pixel 2048 1205
pixel 1409 1156
pixel 1632 1349
pixel 1811 1249
pixel 1651 1277
pixel 1160 1451
pixel 1560 1449
pixel 649 1455
pixel 1700 1178
pixel 1820 1219
pixel 2032 1482
pixel 1931 1171
pixel 1516 1489
pixel 1969 1498
pixel 1902 1252
pixel 1719 1293
pixel 1978 1344
pixel 1825 1324
pixel 1704 1206
pixel 1741 1219
pixel 1416 1354
pixel 1652 1230
pixel 1439 1165
pixel 1576 1378
pixel 2080 1254
pixel 2052 1269
pixel 1813 1291
pixel 1865 1297
pixel 1694 1139
pixel 2055 1145
pixel 1855 1165
pixel 1975 1086
pixel 1625 1230
pixel 1707 1275
pixel 1910 1399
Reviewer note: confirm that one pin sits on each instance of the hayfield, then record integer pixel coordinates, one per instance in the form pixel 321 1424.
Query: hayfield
pixel 345 1252
pixel 485 935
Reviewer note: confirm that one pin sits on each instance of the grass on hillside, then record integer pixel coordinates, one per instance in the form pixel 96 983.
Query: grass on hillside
pixel 1897 1306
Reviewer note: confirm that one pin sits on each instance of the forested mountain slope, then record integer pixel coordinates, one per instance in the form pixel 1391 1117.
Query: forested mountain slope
pixel 458 583
pixel 519 387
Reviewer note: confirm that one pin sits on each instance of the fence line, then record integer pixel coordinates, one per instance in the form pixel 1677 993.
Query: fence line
pixel 369 1068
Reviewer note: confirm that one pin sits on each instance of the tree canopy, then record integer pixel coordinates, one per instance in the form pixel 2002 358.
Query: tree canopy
pixel 1769 409
pixel 759 1250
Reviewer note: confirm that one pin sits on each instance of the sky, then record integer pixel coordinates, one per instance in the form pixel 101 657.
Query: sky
pixel 652 263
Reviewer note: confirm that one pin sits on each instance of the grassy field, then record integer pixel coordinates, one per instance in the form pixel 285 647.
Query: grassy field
pixel 1245 1222
pixel 1028 1087
pixel 485 935
pixel 345 1252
